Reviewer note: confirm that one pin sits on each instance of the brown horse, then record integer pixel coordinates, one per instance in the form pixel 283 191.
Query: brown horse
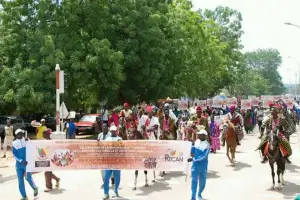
pixel 231 140
pixel 122 128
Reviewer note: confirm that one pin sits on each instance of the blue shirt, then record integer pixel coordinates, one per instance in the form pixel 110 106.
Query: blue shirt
pixel 71 129
pixel 200 150
pixel 19 151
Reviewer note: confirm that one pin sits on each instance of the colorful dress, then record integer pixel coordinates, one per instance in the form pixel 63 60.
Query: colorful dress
pixel 204 122
pixel 214 136
pixel 168 129
pixel 181 130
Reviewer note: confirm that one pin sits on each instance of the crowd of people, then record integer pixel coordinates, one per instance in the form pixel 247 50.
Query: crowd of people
pixel 196 125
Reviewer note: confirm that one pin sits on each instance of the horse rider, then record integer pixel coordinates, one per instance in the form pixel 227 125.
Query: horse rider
pixel 237 120
pixel 199 119
pixel 276 121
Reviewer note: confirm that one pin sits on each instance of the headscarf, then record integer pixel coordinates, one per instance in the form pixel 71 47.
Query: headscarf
pixel 198 109
pixel 232 108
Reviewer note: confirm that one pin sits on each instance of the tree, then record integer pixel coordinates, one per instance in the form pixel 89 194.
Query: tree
pixel 266 62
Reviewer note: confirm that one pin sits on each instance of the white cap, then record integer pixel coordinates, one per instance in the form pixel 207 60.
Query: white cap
pixel 167 105
pixel 202 132
pixel 43 120
pixel 113 128
pixel 19 131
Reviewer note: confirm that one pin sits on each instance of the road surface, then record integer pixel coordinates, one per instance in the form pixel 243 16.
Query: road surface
pixel 248 180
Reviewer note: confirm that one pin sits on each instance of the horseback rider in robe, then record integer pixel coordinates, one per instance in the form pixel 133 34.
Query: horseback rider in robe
pixel 199 119
pixel 278 120
pixel 237 120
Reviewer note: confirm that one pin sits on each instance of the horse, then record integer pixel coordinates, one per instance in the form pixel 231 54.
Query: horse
pixel 144 136
pixel 122 129
pixel 272 150
pixel 231 141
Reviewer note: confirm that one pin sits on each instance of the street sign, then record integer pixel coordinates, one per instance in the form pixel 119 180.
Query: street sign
pixel 63 111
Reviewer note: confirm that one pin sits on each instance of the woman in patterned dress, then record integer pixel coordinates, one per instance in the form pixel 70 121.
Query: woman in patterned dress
pixel 214 135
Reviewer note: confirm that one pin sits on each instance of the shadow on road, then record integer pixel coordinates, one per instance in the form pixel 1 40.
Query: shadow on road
pixel 156 187
pixel 292 168
pixel 57 191
pixel 213 174
pixel 170 175
pixel 290 190
pixel 240 165
pixel 8 178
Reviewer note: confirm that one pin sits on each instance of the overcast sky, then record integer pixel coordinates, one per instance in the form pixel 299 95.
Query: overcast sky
pixel 263 24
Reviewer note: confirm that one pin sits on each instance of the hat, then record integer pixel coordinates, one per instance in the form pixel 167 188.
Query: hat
pixel 198 108
pixel 167 105
pixel 271 105
pixel 202 132
pixel 113 128
pixel 149 109
pixel 232 108
pixel 19 131
pixel 126 105
pixel 200 127
pixel 43 120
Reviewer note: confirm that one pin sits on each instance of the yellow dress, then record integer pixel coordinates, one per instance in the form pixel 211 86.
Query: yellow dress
pixel 39 135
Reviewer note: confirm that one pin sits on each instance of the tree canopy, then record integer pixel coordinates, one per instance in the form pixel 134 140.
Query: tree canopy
pixel 122 50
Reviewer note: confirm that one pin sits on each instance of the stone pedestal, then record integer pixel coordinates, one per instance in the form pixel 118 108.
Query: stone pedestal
pixel 58 135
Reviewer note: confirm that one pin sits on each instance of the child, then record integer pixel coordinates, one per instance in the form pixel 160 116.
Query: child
pixel 19 152
pixel 49 175
pixel 199 153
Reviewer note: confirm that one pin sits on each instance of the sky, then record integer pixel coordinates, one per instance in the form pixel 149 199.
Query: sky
pixel 263 24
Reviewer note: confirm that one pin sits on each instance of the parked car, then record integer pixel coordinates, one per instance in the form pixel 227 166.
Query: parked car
pixel 17 122
pixel 87 123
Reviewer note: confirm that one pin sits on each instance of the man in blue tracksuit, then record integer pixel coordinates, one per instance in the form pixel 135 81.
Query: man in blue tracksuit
pixel 108 173
pixel 199 153
pixel 19 152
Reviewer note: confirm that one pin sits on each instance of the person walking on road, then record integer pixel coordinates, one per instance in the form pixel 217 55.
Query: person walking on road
pixel 108 173
pixel 101 137
pixel 199 153
pixel 19 152
pixel 48 174
pixel 9 136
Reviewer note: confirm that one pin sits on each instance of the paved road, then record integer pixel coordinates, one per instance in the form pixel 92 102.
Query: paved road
pixel 248 180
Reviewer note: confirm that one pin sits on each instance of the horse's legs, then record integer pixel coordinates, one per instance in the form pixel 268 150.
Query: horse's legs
pixel 281 168
pixel 154 176
pixel 227 152
pixel 135 179
pixel 233 154
pixel 146 179
pixel 273 174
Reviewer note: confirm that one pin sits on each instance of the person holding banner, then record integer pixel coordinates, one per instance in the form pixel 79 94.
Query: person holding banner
pixel 199 153
pixel 108 173
pixel 101 137
pixel 19 152
pixel 48 174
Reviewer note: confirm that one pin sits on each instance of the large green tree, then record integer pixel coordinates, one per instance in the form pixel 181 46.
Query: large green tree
pixel 118 50
pixel 267 62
